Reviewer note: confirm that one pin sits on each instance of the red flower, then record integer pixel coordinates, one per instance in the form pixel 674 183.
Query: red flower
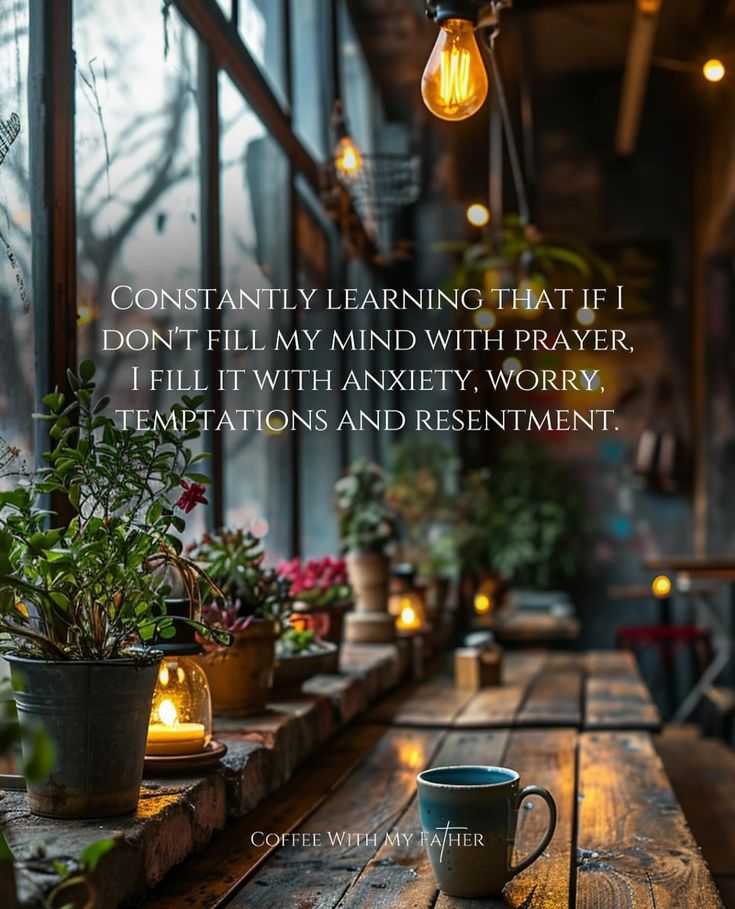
pixel 192 496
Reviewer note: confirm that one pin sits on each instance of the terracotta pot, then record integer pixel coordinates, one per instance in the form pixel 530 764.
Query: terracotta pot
pixel 369 577
pixel 292 671
pixel 241 676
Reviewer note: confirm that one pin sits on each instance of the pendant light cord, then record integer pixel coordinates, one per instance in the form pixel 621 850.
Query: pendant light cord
pixel 515 161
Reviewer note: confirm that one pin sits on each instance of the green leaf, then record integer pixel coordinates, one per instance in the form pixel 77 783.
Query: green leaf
pixel 86 370
pixel 197 477
pixel 91 856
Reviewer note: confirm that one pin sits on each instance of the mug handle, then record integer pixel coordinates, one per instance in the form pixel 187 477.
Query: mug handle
pixel 547 797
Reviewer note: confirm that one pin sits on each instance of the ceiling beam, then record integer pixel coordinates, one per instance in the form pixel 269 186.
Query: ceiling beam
pixel 635 79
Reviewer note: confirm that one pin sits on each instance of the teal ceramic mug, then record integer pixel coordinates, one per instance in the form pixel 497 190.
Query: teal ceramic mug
pixel 469 816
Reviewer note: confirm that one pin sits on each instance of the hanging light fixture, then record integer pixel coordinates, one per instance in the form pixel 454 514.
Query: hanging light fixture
pixel 455 84
pixel 348 159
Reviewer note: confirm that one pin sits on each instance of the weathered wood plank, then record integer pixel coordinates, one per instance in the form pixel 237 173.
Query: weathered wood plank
pixel 520 667
pixel 316 875
pixel 209 877
pixel 702 772
pixel 432 704
pixel 400 874
pixel 611 663
pixel 634 846
pixel 546 758
pixel 492 708
pixel 619 703
pixel 554 699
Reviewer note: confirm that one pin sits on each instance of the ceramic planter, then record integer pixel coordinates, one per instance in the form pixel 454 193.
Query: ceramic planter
pixel 96 715
pixel 241 676
pixel 369 623
pixel 369 576
pixel 292 671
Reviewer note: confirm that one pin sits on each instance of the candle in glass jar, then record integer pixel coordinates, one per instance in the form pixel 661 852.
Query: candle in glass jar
pixel 171 737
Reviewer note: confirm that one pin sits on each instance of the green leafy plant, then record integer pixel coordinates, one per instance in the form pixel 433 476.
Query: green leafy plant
pixel 524 519
pixel 234 561
pixel 366 523
pixel 93 585
pixel 520 254
pixel 420 487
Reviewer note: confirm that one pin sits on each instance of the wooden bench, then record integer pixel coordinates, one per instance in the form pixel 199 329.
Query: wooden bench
pixel 702 774
pixel 621 841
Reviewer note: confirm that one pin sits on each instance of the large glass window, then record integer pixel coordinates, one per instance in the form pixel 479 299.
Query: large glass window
pixel 17 361
pixel 320 453
pixel 355 84
pixel 254 175
pixel 138 205
pixel 310 91
pixel 263 30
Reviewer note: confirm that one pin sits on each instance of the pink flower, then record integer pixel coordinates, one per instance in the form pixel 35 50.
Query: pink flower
pixel 192 496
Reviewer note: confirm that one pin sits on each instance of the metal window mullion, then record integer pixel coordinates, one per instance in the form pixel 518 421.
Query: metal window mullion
pixel 211 258
pixel 50 120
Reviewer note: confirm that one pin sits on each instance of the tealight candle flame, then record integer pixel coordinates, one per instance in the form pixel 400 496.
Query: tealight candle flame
pixel 167 713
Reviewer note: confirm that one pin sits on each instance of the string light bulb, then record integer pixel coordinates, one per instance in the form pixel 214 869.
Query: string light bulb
pixel 661 586
pixel 714 70
pixel 348 160
pixel 477 214
pixel 454 84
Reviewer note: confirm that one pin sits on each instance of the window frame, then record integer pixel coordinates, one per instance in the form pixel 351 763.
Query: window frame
pixel 52 131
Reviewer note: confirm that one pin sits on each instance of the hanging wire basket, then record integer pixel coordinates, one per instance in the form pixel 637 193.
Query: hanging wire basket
pixel 385 184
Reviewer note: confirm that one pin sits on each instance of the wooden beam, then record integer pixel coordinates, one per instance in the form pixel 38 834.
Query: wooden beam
pixel 635 80
pixel 208 20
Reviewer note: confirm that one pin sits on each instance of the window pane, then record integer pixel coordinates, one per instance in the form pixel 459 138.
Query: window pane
pixel 138 204
pixel 362 443
pixel 17 361
pixel 254 176
pixel 355 83
pixel 310 89
pixel 320 456
pixel 262 28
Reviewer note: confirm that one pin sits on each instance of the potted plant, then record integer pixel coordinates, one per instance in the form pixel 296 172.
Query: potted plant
pixel 300 654
pixel 524 520
pixel 367 526
pixel 254 606
pixel 421 489
pixel 321 589
pixel 81 600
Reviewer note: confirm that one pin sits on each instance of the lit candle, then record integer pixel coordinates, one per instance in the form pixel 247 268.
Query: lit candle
pixel 171 737
pixel 408 618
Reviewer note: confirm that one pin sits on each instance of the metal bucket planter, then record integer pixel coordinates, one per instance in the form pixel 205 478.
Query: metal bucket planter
pixel 241 676
pixel 96 714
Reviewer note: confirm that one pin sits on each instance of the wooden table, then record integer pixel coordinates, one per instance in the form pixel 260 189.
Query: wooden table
pixel 621 841
pixel 593 690
pixel 525 626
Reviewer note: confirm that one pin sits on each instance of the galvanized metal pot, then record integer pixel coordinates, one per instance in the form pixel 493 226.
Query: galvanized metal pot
pixel 96 713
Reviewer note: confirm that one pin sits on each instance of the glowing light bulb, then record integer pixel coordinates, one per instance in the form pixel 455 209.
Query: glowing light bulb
pixel 482 604
pixel 714 70
pixel 478 215
pixel 661 586
pixel 585 316
pixel 347 158
pixel 167 713
pixel 454 84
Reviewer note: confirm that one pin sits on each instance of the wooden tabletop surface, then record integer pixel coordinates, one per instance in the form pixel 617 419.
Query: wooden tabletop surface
pixel 621 842
pixel 592 690
pixel 711 567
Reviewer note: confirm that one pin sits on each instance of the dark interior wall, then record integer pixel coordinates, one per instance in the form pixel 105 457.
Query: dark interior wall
pixel 635 210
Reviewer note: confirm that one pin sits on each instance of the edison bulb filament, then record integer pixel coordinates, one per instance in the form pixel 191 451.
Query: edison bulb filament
pixel 454 85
